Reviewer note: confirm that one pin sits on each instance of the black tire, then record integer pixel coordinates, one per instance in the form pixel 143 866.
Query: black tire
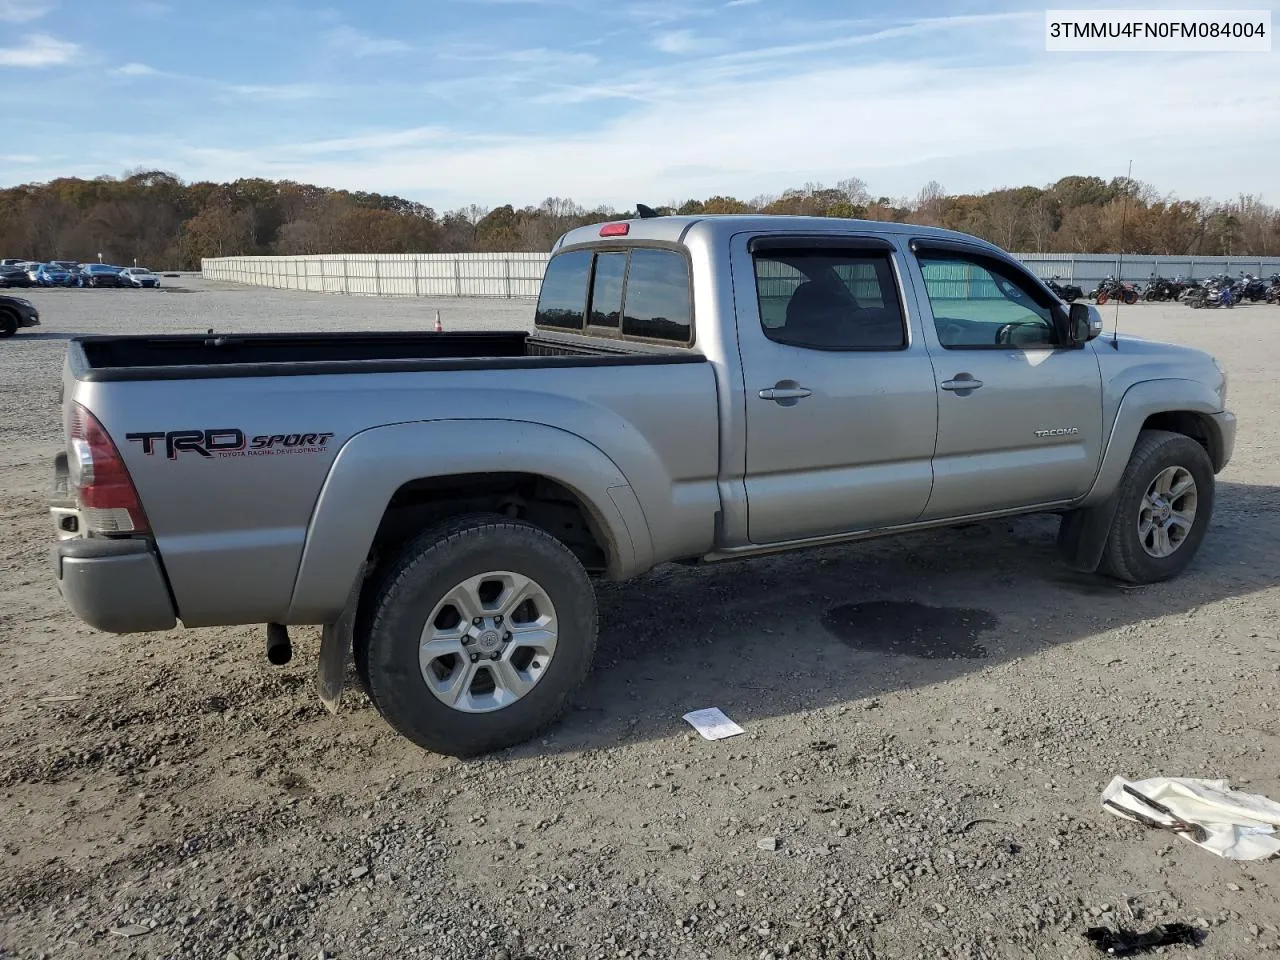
pixel 8 324
pixel 414 583
pixel 1124 556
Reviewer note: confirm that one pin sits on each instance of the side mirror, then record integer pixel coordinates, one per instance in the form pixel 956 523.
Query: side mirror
pixel 1084 322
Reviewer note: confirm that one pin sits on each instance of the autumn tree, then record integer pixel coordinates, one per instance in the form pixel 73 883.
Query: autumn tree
pixel 156 218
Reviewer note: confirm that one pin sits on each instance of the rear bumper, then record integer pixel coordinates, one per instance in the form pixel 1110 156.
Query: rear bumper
pixel 113 585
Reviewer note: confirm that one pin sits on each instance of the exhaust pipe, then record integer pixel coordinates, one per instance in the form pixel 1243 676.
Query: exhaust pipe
pixel 279 647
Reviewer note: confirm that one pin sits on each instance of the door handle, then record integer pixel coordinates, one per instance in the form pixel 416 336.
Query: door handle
pixel 785 392
pixel 963 384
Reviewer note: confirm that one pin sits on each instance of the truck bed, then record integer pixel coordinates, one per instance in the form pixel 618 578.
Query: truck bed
pixel 206 356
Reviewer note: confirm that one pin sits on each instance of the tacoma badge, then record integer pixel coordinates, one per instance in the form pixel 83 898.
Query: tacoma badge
pixel 1058 432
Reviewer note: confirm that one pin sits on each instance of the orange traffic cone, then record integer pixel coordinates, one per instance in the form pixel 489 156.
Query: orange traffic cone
pixel 439 325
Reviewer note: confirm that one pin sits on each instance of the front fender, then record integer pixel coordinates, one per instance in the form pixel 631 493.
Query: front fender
pixel 1142 400
pixel 373 464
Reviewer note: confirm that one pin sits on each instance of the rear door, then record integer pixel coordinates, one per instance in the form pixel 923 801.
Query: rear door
pixel 1019 412
pixel 841 411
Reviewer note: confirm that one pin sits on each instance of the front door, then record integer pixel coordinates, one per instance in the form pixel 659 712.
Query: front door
pixel 1019 414
pixel 841 411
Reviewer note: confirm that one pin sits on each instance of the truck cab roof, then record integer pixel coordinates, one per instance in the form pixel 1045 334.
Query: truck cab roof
pixel 676 229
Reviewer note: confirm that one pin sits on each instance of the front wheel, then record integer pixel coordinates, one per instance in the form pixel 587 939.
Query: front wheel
pixel 1102 298
pixel 1165 504
pixel 8 324
pixel 479 635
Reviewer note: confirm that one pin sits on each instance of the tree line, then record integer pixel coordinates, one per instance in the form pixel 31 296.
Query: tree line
pixel 159 220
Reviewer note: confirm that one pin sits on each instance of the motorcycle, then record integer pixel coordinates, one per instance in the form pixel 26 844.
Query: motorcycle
pixel 1111 288
pixel 1158 288
pixel 1252 288
pixel 1215 292
pixel 1067 292
pixel 1273 292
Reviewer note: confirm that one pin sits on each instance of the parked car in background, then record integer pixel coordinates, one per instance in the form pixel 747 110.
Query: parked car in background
pixel 101 275
pixel 16 312
pixel 13 262
pixel 33 271
pixel 52 275
pixel 66 264
pixel 138 277
pixel 14 276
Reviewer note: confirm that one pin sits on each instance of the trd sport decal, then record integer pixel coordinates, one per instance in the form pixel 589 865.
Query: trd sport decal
pixel 229 442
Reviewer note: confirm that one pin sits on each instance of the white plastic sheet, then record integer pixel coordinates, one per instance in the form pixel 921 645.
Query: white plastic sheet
pixel 1240 826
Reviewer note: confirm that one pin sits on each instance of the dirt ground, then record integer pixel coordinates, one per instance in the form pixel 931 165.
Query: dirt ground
pixel 930 721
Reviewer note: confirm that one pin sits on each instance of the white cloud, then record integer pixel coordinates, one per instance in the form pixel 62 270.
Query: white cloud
pixel 136 70
pixel 972 128
pixel 382 140
pixel 657 12
pixel 26 159
pixel 798 108
pixel 558 60
pixel 357 43
pixel 39 50
pixel 22 11
pixel 676 42
pixel 282 91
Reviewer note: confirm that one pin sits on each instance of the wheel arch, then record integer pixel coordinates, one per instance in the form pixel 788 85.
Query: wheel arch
pixel 1177 405
pixel 421 472
pixel 1186 407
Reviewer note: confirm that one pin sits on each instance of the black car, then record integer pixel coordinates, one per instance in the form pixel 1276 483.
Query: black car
pixel 16 312
pixel 13 276
pixel 100 275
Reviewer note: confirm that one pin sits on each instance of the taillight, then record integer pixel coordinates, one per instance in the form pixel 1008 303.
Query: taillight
pixel 100 481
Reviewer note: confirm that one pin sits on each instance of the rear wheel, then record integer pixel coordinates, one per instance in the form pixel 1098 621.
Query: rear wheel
pixel 479 635
pixel 1165 505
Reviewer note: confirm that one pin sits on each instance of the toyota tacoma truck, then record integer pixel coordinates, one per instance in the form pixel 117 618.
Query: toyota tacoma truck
pixel 693 389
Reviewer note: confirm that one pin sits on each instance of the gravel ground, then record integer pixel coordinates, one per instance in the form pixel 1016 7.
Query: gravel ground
pixel 930 721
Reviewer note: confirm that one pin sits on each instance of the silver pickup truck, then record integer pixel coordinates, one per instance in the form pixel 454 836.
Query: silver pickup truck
pixel 695 389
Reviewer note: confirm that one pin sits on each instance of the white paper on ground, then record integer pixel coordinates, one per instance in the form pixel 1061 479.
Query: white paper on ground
pixel 1241 826
pixel 713 724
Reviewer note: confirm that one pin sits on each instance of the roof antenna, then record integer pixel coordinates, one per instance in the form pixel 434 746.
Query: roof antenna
pixel 646 212
pixel 1124 216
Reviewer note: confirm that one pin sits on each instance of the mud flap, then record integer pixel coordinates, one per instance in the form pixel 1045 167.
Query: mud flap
pixel 1082 535
pixel 335 645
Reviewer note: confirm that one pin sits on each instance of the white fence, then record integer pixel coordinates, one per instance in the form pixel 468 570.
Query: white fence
pixel 390 275
pixel 1086 269
pixel 520 274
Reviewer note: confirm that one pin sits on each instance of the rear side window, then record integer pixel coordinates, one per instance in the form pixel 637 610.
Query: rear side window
pixel 606 289
pixel 656 305
pixel 828 299
pixel 562 300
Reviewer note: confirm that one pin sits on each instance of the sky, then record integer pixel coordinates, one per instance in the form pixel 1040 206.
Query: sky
pixel 453 102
